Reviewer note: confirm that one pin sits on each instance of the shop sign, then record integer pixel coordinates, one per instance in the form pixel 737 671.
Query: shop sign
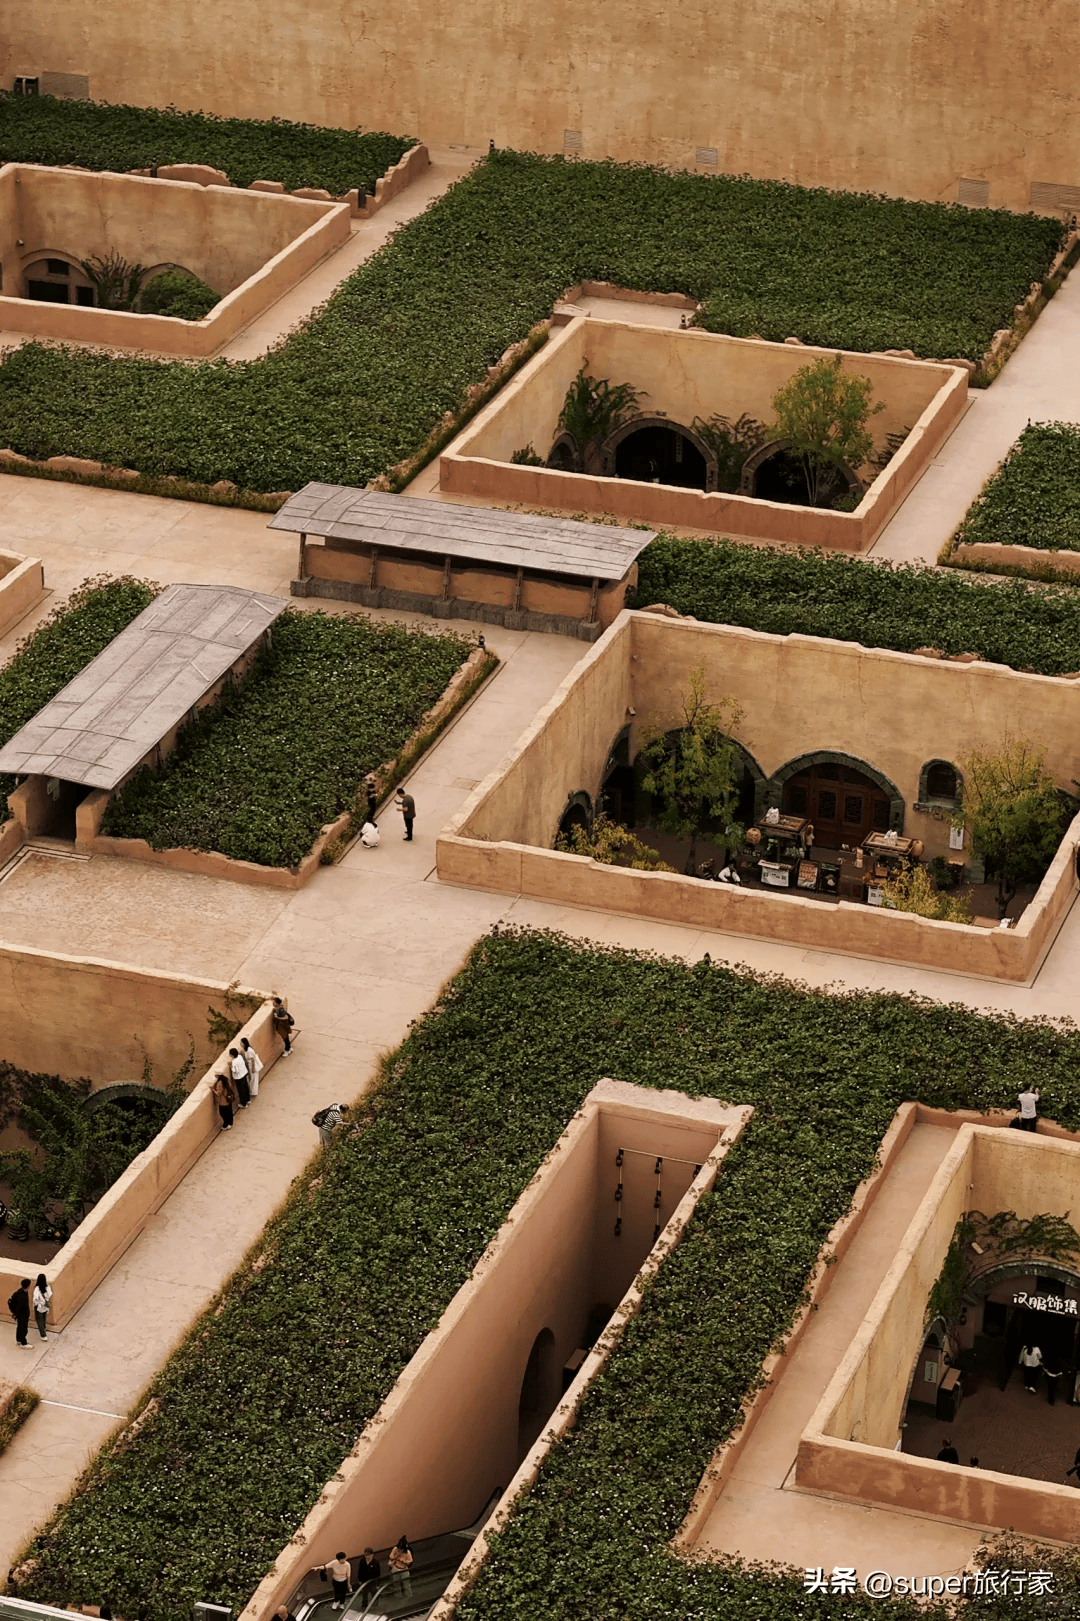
pixel 1063 1305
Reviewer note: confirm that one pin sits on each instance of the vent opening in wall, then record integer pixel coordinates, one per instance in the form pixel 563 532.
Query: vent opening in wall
pixel 571 140
pixel 1048 194
pixel 974 193
pixel 69 86
pixel 706 155
pixel 24 86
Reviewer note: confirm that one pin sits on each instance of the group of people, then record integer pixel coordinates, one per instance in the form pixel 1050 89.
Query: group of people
pixel 404 803
pixel 1032 1362
pixel 368 1570
pixel 19 1305
pixel 237 1085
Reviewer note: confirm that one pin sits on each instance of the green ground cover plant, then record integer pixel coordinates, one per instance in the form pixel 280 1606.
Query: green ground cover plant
pixel 388 1223
pixel 904 607
pixel 74 633
pixel 95 135
pixel 1034 497
pixel 364 383
pixel 256 777
pixel 177 293
pixel 15 1414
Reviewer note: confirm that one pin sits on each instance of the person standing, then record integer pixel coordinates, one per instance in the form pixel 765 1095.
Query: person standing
pixel 283 1023
pixel 1029 1109
pixel 400 1563
pixel 406 804
pixel 19 1307
pixel 238 1073
pixel 338 1572
pixel 948 1453
pixel 253 1063
pixel 223 1097
pixel 1031 1362
pixel 328 1120
pixel 368 1568
pixel 371 795
pixel 42 1296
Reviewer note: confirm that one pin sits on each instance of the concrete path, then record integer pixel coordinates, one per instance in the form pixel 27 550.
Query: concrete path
pixel 760 1515
pixel 1040 383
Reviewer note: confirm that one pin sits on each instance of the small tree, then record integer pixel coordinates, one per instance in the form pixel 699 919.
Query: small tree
pixel 692 767
pixel 822 414
pixel 912 890
pixel 614 846
pixel 1013 812
pixel 593 409
pixel 116 282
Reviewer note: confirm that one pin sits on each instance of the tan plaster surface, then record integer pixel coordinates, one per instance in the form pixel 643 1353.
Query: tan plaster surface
pixel 54 1447
pixel 760 1516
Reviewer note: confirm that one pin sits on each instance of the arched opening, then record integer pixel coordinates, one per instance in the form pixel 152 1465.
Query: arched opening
pixel 618 785
pixel 939 783
pixel 844 799
pixel 776 473
pixel 564 455
pixel 577 814
pixel 56 279
pixel 539 1391
pixel 655 451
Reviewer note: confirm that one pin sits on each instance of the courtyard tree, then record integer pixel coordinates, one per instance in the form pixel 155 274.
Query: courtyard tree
pixel 612 845
pixel 593 409
pixel 692 767
pixel 911 889
pixel 822 414
pixel 1013 812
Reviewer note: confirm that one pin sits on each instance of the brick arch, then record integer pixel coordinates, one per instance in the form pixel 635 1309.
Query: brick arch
pixel 803 762
pixel 924 794
pixel 636 424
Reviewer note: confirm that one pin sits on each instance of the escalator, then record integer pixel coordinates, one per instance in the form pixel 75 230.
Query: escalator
pixel 435 1563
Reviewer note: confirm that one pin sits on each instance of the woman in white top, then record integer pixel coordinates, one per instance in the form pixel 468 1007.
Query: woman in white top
pixel 254 1065
pixel 42 1296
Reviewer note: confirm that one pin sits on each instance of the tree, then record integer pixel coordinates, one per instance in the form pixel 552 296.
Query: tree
pixel 1011 807
pixel 593 409
pixel 613 846
pixel 116 282
pixel 822 413
pixel 912 890
pixel 692 767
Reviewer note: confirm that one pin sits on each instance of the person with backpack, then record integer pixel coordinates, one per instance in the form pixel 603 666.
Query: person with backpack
pixel 283 1023
pixel 223 1097
pixel 327 1119
pixel 19 1307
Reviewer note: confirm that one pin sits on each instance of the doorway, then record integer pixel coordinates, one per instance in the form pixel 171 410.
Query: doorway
pixel 539 1391
pixel 661 454
pixel 843 804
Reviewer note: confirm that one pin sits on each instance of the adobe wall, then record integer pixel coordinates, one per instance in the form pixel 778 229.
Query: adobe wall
pixel 684 375
pixel 22 584
pixel 860 95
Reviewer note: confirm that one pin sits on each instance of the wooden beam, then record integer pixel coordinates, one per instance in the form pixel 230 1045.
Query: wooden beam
pixel 301 566
pixel 447 565
pixel 592 602
pixel 372 569
pixel 517 589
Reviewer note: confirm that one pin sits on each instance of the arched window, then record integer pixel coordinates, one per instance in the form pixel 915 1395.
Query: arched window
pixel 940 783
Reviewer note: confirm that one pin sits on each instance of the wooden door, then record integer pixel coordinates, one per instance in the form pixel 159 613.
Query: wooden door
pixel 843 804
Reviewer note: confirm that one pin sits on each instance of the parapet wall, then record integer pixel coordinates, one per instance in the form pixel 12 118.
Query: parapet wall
pixel 862 95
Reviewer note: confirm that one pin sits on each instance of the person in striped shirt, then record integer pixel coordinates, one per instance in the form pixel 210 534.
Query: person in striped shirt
pixel 333 1117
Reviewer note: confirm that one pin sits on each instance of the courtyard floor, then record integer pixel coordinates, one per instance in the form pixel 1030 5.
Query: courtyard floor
pixel 1007 1430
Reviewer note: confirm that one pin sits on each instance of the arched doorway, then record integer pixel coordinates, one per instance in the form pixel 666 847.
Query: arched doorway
pixel 775 473
pixel 653 450
pixel 618 787
pixel 539 1391
pixel 576 814
pixel 843 803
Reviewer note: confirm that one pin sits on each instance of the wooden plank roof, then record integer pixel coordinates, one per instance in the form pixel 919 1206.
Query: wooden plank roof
pixel 477 534
pixel 142 685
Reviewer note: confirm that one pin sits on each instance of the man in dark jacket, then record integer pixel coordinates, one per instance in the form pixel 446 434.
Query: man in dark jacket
pixel 19 1307
pixel 368 1569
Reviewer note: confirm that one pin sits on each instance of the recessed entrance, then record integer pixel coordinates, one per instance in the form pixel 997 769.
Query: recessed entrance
pixel 539 1391
pixel 843 804
pixel 661 453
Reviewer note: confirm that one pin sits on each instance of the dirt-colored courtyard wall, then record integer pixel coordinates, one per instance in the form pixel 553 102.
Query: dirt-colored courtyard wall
pixel 75 1016
pixel 682 376
pixel 120 1216
pixel 22 584
pixel 431 1462
pixel 846 1449
pixel 863 96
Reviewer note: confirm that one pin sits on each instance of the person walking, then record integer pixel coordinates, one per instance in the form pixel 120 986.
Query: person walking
pixel 238 1074
pixel 327 1120
pixel 254 1065
pixel 223 1097
pixel 338 1572
pixel 1031 1361
pixel 406 804
pixel 368 1568
pixel 371 795
pixel 19 1307
pixel 400 1563
pixel 42 1296
pixel 283 1023
pixel 1029 1109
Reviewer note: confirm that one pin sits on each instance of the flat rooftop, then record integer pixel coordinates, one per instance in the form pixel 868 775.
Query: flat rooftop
pixel 482 534
pixel 131 696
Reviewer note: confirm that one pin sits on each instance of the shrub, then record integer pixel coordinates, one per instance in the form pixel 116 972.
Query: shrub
pixel 177 293
pixel 363 384
pixel 901 607
pixel 93 135
pixel 257 776
pixel 1034 497
pixel 393 1219
pixel 74 633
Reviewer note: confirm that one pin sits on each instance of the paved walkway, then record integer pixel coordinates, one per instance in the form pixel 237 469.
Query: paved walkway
pixel 760 1515
pixel 1040 383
